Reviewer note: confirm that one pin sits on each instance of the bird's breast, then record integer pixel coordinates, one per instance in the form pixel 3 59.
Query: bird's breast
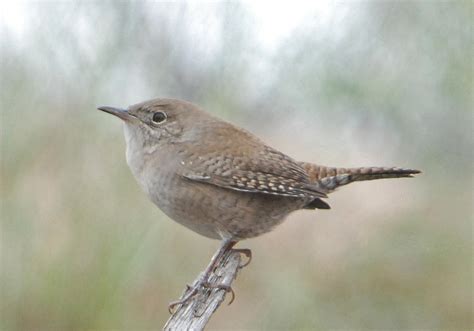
pixel 136 157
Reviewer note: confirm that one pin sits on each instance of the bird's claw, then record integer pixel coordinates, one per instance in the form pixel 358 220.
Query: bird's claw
pixel 225 287
pixel 191 291
pixel 248 254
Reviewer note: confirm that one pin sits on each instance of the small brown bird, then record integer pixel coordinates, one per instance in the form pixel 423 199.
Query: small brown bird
pixel 219 180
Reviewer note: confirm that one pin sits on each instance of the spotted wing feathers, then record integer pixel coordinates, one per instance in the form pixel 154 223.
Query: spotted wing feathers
pixel 265 171
pixel 259 182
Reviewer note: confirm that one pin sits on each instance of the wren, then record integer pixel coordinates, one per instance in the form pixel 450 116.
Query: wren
pixel 220 180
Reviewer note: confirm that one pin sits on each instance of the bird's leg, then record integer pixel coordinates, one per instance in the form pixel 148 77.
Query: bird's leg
pixel 203 280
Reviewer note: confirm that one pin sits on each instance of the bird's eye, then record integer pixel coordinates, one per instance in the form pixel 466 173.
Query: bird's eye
pixel 159 117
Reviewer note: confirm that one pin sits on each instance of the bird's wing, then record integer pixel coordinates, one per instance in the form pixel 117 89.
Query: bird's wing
pixel 255 170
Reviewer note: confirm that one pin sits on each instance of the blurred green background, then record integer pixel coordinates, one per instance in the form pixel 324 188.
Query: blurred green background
pixel 335 83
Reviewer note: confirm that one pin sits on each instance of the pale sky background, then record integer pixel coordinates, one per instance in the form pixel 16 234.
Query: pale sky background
pixel 273 25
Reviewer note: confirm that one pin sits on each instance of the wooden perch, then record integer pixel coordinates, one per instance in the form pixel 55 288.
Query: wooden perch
pixel 196 312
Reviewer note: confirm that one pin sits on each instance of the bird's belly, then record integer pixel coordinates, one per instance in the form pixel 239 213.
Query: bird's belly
pixel 217 212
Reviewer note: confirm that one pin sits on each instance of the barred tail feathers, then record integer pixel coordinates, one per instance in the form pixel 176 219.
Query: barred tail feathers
pixel 331 178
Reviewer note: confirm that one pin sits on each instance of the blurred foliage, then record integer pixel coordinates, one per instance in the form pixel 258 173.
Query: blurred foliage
pixel 379 83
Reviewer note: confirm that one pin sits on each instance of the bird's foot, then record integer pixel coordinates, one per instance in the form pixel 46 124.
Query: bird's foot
pixel 192 290
pixel 203 281
pixel 225 287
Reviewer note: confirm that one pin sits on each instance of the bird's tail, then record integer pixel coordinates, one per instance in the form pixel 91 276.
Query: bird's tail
pixel 331 178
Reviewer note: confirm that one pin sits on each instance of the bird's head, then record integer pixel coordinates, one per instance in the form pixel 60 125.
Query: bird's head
pixel 159 120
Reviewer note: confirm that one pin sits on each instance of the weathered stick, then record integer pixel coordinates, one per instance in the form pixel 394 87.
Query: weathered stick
pixel 195 314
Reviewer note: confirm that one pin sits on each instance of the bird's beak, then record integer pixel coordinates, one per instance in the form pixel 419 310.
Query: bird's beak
pixel 120 113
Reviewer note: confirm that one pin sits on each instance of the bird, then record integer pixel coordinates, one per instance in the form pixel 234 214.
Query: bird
pixel 220 180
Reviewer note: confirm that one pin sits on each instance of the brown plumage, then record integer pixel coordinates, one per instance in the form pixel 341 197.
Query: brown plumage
pixel 219 180
pixel 330 178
